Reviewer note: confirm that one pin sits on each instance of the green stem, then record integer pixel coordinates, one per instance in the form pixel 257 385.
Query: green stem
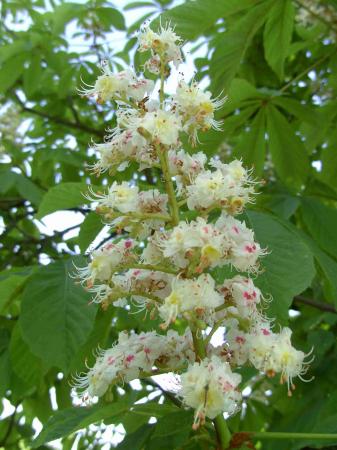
pixel 162 153
pixel 287 435
pixel 161 89
pixel 222 431
pixel 307 70
pixel 215 327
pixel 199 345
pixel 154 298
pixel 149 216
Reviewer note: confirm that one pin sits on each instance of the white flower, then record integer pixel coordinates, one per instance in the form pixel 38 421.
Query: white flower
pixel 238 345
pixel 210 387
pixel 164 46
pixel 105 260
pixel 273 353
pixel 185 167
pixel 244 251
pixel 133 354
pixel 227 187
pixel 109 85
pixel 196 239
pixel 121 197
pixel 163 126
pixel 245 296
pixel 124 146
pixel 196 295
pixel 197 108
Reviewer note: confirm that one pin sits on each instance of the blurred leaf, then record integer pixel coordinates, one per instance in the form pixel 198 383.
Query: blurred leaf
pixel 111 17
pixel 231 46
pixel 252 145
pixel 193 18
pixel 62 196
pixel 11 71
pixel 288 266
pixel 26 365
pixel 32 75
pixel 56 318
pixel 72 419
pixel 90 228
pixel 321 221
pixel 287 151
pixel 277 34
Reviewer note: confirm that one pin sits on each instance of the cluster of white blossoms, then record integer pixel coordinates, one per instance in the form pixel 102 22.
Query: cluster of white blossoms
pixel 168 241
pixel 209 387
pixel 134 356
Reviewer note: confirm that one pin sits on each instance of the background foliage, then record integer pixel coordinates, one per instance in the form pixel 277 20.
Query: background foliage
pixel 277 64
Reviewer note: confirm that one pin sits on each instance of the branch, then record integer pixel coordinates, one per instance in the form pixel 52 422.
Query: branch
pixel 307 70
pixel 59 120
pixel 10 427
pixel 167 394
pixel 315 304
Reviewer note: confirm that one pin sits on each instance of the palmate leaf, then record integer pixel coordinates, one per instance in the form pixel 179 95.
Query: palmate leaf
pixel 232 45
pixel 90 228
pixel 321 221
pixel 62 196
pixel 288 268
pixel 287 151
pixel 252 145
pixel 277 34
pixel 69 420
pixel 193 18
pixel 56 318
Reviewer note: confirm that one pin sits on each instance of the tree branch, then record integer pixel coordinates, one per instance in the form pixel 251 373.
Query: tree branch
pixel 67 123
pixel 169 395
pixel 315 304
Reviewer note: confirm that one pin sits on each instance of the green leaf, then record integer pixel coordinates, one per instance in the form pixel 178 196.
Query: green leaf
pixel 111 17
pixel 328 268
pixel 11 286
pixel 11 71
pixel 28 190
pixel 63 14
pixel 26 365
pixel 297 109
pixel 62 196
pixel 252 145
pixel 288 152
pixel 288 267
pixel 328 174
pixel 5 366
pixel 283 205
pixel 32 75
pixel 277 35
pixel 137 439
pixel 56 318
pixel 90 228
pixel 232 45
pixel 321 221
pixel 193 18
pixel 72 419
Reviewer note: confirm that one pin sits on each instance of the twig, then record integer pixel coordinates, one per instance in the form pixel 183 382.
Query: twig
pixel 167 394
pixel 307 70
pixel 59 120
pixel 10 427
pixel 316 304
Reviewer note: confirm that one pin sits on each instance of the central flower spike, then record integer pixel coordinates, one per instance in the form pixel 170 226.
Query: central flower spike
pixel 170 243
